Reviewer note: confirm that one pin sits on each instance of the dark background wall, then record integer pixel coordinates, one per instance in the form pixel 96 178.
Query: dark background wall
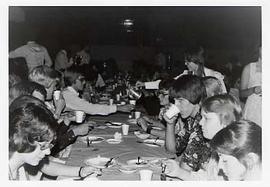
pixel 223 31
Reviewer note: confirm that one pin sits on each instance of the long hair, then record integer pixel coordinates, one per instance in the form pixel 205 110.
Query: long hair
pixel 238 139
pixel 29 122
pixel 225 105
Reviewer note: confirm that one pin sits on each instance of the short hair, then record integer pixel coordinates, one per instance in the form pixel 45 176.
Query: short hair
pixel 26 88
pixel 30 122
pixel 70 75
pixel 189 87
pixel 44 75
pixel 212 86
pixel 166 84
pixel 238 139
pixel 225 105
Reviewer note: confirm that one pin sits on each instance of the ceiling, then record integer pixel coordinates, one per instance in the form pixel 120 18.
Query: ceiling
pixel 153 26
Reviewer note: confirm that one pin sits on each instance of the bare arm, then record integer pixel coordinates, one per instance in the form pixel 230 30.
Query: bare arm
pixel 244 90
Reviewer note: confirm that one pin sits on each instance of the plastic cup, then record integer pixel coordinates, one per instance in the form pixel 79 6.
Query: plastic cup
pixel 137 115
pixel 111 101
pixel 173 110
pixel 56 94
pixel 79 116
pixel 146 174
pixel 125 129
pixel 118 97
pixel 132 102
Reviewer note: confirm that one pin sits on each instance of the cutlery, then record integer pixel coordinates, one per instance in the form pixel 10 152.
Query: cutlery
pixel 138 160
pixel 88 142
pixel 109 162
pixel 82 178
pixel 138 141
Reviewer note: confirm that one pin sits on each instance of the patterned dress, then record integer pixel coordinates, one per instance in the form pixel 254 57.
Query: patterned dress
pixel 193 147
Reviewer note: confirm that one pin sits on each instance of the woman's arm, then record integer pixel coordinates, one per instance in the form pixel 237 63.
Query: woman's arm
pixel 244 90
pixel 57 169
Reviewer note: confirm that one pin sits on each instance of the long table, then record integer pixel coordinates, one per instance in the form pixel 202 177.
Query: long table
pixel 128 149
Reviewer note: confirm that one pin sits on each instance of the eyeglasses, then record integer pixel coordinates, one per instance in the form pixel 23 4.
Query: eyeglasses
pixel 45 145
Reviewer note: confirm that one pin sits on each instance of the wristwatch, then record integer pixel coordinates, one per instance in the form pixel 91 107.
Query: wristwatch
pixel 257 90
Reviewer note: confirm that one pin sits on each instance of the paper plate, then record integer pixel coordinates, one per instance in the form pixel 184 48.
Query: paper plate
pixel 115 125
pixel 134 162
pixel 93 139
pixel 140 135
pixel 113 141
pixel 98 162
pixel 154 142
pixel 128 169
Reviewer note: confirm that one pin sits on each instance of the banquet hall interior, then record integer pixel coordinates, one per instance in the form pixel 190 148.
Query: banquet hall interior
pixel 135 93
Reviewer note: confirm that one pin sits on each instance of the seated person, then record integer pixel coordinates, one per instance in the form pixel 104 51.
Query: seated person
pixel 65 134
pixel 49 78
pixel 75 82
pixel 27 88
pixel 30 142
pixel 147 123
pixel 212 86
pixel 217 112
pixel 188 92
pixel 239 147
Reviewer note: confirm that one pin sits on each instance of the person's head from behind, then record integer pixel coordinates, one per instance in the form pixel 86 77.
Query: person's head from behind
pixel 163 92
pixel 74 78
pixel 32 130
pixel 27 88
pixel 218 112
pixel 239 146
pixel 47 77
pixel 187 92
pixel 212 86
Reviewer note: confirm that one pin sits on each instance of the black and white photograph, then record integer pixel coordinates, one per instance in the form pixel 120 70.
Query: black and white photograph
pixel 134 92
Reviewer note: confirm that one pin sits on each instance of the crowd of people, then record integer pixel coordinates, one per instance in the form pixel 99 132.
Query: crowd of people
pixel 216 133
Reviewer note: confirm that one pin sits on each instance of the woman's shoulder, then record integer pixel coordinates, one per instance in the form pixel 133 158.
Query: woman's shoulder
pixel 214 73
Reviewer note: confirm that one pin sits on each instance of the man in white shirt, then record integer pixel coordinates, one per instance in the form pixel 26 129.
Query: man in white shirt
pixel 75 82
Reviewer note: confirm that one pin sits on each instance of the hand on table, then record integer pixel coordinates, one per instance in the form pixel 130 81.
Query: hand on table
pixel 143 123
pixel 82 129
pixel 125 108
pixel 172 168
pixel 86 170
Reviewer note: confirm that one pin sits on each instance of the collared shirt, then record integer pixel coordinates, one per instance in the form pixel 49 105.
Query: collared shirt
pixel 74 102
pixel 192 145
pixel 34 54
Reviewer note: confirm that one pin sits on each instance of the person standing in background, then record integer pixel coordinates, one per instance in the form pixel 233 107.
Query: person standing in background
pixel 250 88
pixel 34 54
